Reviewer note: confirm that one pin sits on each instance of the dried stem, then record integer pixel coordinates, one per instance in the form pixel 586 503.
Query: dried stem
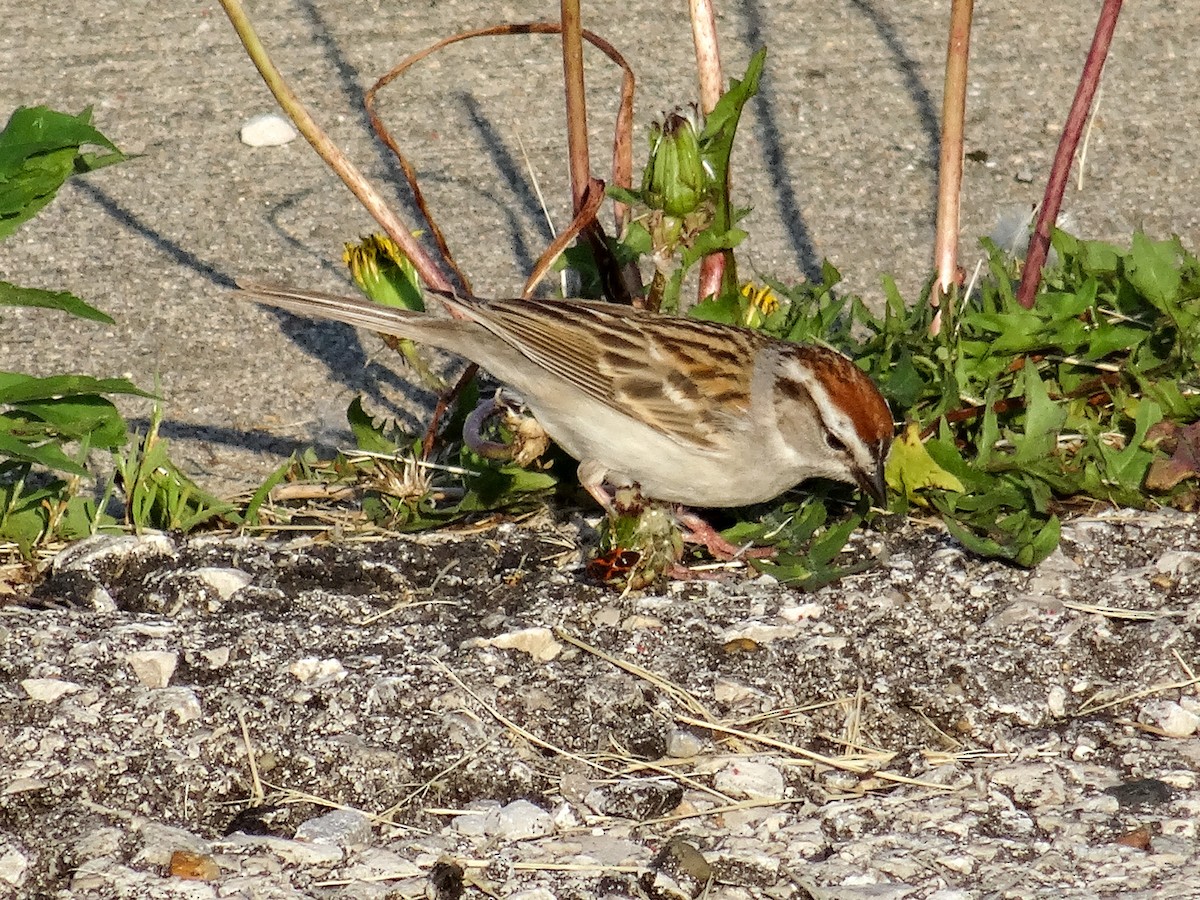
pixel 950 163
pixel 1039 241
pixel 622 132
pixel 577 133
pixel 708 55
pixel 358 184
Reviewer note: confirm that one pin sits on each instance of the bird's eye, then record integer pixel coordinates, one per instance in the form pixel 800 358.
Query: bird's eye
pixel 835 443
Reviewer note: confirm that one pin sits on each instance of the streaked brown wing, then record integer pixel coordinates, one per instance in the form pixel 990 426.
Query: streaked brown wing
pixel 688 380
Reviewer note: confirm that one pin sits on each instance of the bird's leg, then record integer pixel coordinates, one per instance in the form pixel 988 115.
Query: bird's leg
pixel 591 476
pixel 700 532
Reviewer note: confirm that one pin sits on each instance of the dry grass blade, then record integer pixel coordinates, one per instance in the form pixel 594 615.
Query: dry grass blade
pixel 861 764
pixel 593 197
pixel 597 868
pixel 1088 708
pixel 256 786
pixel 636 767
pixel 391 811
pixel 293 796
pixel 853 765
pixel 721 810
pixel 685 699
pixel 517 729
pixel 1116 612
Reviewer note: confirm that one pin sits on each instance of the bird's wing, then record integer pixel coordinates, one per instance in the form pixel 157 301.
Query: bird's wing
pixel 689 381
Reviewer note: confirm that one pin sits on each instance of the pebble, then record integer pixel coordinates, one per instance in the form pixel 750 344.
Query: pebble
pixel 102 550
pixel 268 130
pixel 747 779
pixel 758 632
pixel 538 642
pixel 635 798
pixel 313 672
pixel 518 821
pixel 48 690
pixel 13 864
pixel 683 743
pixel 299 853
pixel 474 820
pixel 226 582
pixel 1178 562
pixel 679 872
pixel 153 668
pixel 1171 717
pixel 377 864
pixel 339 828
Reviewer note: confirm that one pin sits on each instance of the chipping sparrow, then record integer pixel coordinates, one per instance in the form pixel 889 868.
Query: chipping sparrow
pixel 693 412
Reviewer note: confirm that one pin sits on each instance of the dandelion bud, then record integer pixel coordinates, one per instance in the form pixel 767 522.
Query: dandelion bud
pixel 384 273
pixel 676 180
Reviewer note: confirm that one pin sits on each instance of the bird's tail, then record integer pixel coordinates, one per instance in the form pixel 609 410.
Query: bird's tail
pixel 355 311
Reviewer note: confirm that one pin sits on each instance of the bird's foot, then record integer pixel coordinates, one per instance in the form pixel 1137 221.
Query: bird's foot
pixel 698 531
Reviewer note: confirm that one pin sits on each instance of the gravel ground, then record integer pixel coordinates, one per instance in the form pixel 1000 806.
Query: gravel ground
pixel 369 719
pixel 477 716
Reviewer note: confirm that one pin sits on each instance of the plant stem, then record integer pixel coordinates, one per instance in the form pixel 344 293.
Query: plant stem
pixel 1039 241
pixel 708 55
pixel 577 134
pixel 716 269
pixel 950 163
pixel 358 184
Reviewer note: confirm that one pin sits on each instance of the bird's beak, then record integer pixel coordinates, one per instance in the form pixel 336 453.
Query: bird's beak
pixel 872 482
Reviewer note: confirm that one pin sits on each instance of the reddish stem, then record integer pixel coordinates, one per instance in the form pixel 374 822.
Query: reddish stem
pixel 1039 241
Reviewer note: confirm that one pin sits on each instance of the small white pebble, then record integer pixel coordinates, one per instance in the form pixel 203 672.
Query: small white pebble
pixel 683 743
pixel 267 130
pixel 751 780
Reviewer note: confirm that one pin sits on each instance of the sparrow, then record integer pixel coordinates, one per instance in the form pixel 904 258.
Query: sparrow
pixel 689 412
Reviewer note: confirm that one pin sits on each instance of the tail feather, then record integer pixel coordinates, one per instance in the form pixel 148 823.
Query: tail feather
pixel 355 311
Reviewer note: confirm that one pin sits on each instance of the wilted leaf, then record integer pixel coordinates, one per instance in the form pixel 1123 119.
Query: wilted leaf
pixel 1184 461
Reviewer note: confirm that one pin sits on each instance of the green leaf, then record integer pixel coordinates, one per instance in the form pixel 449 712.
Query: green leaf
pixel 1151 267
pixel 250 513
pixel 1099 258
pixel 1043 420
pixel 80 416
pixel 368 435
pixel 39 150
pixel 910 468
pixel 49 455
pixel 1128 467
pixel 16 387
pixel 11 295
pixel 638 239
